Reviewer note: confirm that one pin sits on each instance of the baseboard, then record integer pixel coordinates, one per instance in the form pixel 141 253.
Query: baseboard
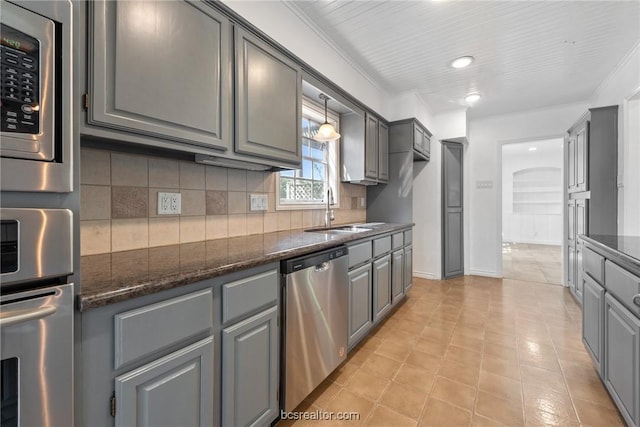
pixel 424 275
pixel 484 273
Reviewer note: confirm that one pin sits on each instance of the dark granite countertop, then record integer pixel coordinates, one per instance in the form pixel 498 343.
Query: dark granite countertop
pixel 119 276
pixel 624 248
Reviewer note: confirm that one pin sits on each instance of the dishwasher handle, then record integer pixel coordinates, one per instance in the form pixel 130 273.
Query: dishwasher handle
pixel 322 267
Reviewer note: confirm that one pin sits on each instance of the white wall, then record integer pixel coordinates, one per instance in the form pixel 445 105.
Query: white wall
pixel 284 26
pixel 486 135
pixel 540 227
pixel 617 89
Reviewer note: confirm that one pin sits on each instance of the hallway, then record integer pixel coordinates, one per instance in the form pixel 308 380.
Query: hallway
pixel 471 351
pixel 532 263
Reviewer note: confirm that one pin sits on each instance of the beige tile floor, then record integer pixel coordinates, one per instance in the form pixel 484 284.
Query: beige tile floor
pixel 532 263
pixel 471 351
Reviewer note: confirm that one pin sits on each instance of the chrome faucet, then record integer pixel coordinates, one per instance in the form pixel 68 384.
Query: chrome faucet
pixel 328 214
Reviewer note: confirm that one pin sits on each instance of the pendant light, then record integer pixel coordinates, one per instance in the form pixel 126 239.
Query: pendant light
pixel 326 132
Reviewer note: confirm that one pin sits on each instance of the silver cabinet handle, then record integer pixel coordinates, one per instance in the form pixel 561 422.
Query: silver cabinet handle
pixel 636 300
pixel 18 316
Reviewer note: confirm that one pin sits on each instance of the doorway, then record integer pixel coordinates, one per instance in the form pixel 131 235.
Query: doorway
pixel 532 209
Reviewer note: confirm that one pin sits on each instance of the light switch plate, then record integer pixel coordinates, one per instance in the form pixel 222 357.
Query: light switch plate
pixel 258 202
pixel 169 203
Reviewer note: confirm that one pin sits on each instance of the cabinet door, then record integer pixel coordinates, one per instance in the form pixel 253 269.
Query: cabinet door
pixel 579 284
pixel 581 217
pixel 250 374
pixel 582 157
pixel 174 390
pixel 571 222
pixel 418 138
pixel 371 148
pixel 572 153
pixel 571 268
pixel 383 151
pixel 622 358
pixel 360 303
pixel 381 287
pixel 408 268
pixel 268 101
pixel 161 69
pixel 397 271
pixel 426 145
pixel 593 320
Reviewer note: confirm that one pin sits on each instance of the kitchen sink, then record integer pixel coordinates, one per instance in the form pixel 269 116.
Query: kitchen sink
pixel 339 230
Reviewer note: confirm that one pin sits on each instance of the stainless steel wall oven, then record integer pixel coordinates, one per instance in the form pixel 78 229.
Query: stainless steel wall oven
pixel 36 318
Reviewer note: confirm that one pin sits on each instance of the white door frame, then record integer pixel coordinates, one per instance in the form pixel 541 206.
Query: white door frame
pixel 499 146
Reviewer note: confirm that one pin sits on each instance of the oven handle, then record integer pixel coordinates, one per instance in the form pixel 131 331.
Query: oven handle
pixel 19 316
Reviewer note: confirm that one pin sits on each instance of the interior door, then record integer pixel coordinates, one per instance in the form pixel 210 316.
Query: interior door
pixel 452 210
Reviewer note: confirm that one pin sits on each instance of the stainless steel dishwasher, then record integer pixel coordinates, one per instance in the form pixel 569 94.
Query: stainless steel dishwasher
pixel 316 309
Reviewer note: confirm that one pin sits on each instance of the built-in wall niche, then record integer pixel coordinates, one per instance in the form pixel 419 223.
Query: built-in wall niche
pixel 537 191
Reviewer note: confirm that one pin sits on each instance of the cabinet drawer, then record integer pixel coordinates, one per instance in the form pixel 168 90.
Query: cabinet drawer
pixel 148 329
pixel 359 253
pixel 408 237
pixel 397 240
pixel 622 284
pixel 247 295
pixel 593 264
pixel 381 246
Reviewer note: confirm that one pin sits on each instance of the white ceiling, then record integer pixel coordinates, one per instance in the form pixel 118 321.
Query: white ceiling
pixel 529 54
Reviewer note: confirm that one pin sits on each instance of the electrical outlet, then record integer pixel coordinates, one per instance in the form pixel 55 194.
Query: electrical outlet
pixel 258 202
pixel 484 185
pixel 169 203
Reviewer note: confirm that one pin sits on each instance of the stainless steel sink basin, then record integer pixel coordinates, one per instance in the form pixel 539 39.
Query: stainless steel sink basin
pixel 339 230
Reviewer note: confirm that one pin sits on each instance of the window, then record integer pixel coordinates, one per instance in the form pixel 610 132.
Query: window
pixel 306 188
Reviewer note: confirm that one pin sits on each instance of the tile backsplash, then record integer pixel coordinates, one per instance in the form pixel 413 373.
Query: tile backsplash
pixel 119 203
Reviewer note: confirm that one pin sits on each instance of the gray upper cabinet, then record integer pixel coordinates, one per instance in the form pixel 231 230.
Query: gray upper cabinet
pixel 371 147
pixel 622 359
pixel 268 101
pixel 174 390
pixel 571 148
pixel 161 69
pixel 250 374
pixel 582 154
pixel 383 152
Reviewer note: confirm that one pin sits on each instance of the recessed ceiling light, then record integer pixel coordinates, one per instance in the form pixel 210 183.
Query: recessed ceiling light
pixel 472 97
pixel 462 62
pixel 532 148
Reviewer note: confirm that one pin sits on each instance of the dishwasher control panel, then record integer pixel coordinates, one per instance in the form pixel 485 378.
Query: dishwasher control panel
pixel 316 258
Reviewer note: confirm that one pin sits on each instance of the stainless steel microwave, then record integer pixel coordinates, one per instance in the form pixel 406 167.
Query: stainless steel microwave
pixel 35 109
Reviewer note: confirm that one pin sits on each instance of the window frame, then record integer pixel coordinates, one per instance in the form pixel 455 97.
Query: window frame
pixel 314 111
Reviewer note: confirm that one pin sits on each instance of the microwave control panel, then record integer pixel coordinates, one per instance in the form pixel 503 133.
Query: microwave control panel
pixel 19 56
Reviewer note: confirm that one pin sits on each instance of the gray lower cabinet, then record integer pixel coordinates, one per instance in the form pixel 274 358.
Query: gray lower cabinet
pixel 268 101
pixel 381 287
pixel 360 303
pixel 571 268
pixel 579 283
pixel 397 273
pixel 144 58
pixel 174 390
pixel 622 359
pixel 593 320
pixel 408 268
pixel 250 370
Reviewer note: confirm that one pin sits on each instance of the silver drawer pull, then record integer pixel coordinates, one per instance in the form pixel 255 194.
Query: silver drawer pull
pixel 19 316
pixel 636 300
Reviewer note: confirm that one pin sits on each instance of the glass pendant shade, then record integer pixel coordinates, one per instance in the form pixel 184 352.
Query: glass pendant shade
pixel 326 132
